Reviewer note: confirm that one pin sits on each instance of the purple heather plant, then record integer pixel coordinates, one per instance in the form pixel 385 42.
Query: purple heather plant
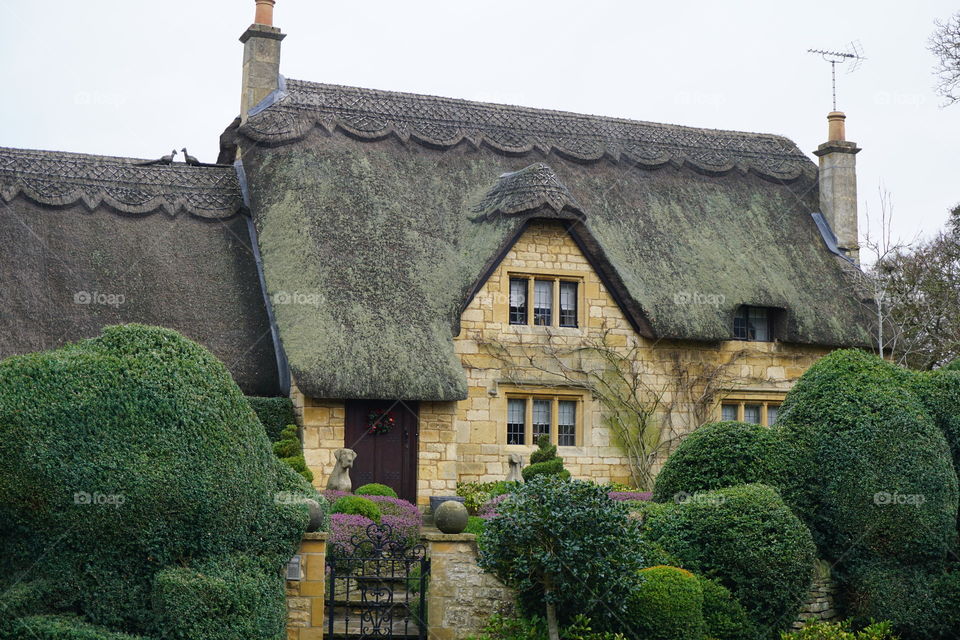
pixel 399 508
pixel 343 527
pixel 631 496
pixel 489 509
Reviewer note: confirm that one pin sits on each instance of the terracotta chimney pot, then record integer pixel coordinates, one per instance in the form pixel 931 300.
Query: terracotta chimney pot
pixel 836 126
pixel 264 12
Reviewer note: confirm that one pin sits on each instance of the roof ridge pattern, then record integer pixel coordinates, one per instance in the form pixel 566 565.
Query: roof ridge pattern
pixel 529 189
pixel 61 178
pixel 370 114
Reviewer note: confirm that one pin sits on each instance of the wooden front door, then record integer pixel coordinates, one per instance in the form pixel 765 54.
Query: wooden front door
pixel 388 458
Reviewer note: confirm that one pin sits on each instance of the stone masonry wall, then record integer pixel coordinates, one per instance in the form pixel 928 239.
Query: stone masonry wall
pixel 466 441
pixel 305 612
pixel 819 604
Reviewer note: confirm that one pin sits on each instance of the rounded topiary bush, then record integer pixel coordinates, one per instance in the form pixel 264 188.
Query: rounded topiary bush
pixel 718 455
pixel 375 489
pixel 544 462
pixel 668 605
pixel 871 473
pixel 131 453
pixel 747 539
pixel 724 616
pixel 568 533
pixel 357 506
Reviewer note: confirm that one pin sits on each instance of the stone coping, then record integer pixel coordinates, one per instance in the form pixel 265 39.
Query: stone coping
pixel 430 536
pixel 315 535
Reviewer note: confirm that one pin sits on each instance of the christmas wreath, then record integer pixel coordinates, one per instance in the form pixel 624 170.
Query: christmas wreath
pixel 381 421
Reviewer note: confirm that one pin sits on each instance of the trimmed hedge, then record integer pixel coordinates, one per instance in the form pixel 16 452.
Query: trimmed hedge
pixel 721 454
pixel 668 605
pixel 376 489
pixel 573 529
pixel 861 442
pixel 544 462
pixel 274 414
pixel 61 628
pixel 723 615
pixel 357 506
pixel 140 441
pixel 747 539
pixel 290 451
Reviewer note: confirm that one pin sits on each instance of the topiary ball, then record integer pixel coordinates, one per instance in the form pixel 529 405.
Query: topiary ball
pixel 357 506
pixel 668 605
pixel 451 517
pixel 375 489
pixel 722 454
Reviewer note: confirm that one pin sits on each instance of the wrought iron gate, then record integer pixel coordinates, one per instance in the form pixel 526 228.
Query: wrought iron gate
pixel 377 586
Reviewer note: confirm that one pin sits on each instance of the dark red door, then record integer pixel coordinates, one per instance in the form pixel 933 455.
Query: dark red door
pixel 388 458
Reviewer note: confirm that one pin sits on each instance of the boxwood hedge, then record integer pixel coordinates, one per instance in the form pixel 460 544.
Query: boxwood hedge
pixel 872 474
pixel 128 454
pixel 746 538
pixel 274 414
pixel 721 454
pixel 667 605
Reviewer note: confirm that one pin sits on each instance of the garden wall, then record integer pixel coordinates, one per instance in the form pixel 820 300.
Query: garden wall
pixel 819 604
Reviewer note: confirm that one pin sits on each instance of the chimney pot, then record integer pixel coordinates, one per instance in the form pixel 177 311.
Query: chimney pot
pixel 836 126
pixel 264 14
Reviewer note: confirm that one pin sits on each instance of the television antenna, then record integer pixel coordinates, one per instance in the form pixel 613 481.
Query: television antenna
pixel 853 56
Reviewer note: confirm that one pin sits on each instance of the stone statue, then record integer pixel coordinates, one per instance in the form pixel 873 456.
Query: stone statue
pixel 516 463
pixel 340 476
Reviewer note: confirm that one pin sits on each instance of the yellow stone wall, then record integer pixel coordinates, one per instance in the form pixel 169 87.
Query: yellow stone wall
pixel 466 440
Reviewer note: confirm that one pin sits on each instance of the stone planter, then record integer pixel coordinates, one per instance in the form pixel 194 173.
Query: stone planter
pixel 436 501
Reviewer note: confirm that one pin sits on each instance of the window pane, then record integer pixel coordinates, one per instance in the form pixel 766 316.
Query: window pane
pixel 542 302
pixel 729 412
pixel 567 423
pixel 772 411
pixel 740 324
pixel 751 413
pixel 518 301
pixel 568 304
pixel 541 418
pixel 516 420
pixel 759 324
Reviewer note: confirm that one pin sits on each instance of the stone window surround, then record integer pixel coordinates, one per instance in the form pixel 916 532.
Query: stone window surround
pixel 555 395
pixel 764 398
pixel 556 277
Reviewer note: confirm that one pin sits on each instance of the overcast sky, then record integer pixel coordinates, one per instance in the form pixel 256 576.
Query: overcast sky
pixel 138 78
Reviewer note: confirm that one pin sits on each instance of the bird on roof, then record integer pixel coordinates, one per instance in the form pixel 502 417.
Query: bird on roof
pixel 189 159
pixel 167 159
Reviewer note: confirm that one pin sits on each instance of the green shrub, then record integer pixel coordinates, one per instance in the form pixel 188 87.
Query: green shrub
pixel 746 538
pixel 841 631
pixel 724 616
pixel 571 534
pixel 274 414
pixel 475 525
pixel 477 494
pixel 858 438
pixel 128 454
pixel 290 451
pixel 501 627
pixel 376 489
pixel 667 606
pixel 357 506
pixel 905 595
pixel 248 599
pixel 61 628
pixel 939 391
pixel 544 462
pixel 721 454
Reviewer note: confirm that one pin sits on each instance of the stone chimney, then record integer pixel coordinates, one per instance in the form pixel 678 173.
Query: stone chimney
pixel 838 185
pixel 261 58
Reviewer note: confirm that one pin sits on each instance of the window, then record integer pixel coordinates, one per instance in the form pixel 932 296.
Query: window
pixel 762 412
pixel 556 301
pixel 543 303
pixel 516 420
pixel 534 415
pixel 753 323
pixel 518 301
pixel 567 423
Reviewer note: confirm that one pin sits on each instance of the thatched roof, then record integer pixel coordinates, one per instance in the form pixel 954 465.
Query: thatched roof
pixel 386 210
pixel 90 241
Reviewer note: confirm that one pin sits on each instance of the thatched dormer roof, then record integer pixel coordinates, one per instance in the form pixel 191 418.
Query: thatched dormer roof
pixel 90 241
pixel 387 209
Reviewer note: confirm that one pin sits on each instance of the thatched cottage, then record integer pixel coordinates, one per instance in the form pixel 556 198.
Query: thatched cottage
pixel 436 282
